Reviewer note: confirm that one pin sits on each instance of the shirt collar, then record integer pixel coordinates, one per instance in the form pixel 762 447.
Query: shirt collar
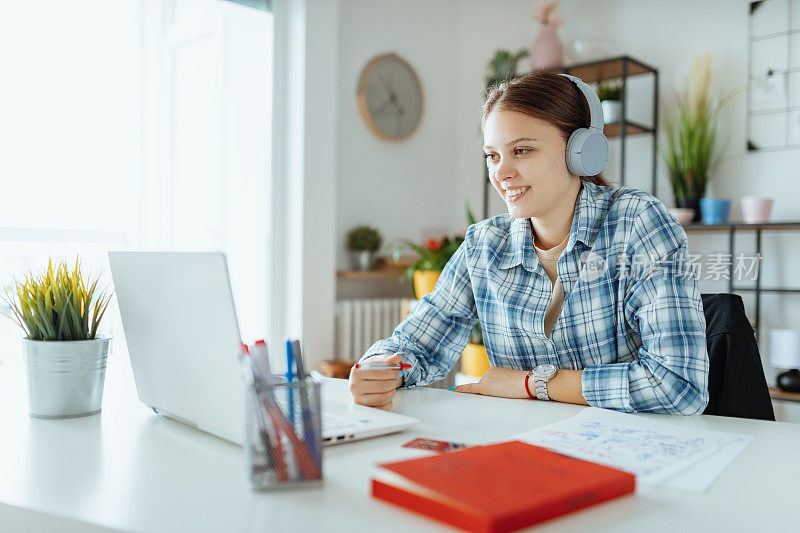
pixel 586 221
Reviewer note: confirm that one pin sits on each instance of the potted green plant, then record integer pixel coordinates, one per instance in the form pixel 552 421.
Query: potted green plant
pixel 65 358
pixel 691 133
pixel 363 241
pixel 503 66
pixel 433 256
pixel 610 95
pixel 425 273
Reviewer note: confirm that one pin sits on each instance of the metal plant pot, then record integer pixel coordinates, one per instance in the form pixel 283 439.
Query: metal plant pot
pixel 363 260
pixel 65 378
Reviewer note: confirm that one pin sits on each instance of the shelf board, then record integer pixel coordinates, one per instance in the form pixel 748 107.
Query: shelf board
pixel 770 226
pixel 766 289
pixel 777 394
pixel 605 69
pixel 385 268
pixel 614 129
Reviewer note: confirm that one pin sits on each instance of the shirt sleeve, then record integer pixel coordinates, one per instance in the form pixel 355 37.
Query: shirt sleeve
pixel 435 333
pixel 662 304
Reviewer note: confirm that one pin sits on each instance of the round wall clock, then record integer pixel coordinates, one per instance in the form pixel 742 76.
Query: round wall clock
pixel 390 97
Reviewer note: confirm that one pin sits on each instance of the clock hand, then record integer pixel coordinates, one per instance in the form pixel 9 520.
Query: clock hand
pixel 388 88
pixel 382 107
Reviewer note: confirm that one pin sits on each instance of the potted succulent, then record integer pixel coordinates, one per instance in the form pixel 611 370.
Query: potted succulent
pixel 610 95
pixel 691 134
pixel 363 241
pixel 65 358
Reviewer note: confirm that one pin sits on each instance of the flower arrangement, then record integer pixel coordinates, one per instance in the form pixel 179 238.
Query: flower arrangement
pixel 57 306
pixel 434 255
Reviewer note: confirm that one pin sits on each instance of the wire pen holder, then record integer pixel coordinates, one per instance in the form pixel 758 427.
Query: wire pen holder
pixel 283 446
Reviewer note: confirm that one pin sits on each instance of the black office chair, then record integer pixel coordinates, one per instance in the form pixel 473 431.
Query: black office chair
pixel 736 383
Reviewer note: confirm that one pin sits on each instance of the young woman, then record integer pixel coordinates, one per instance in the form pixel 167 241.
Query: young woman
pixel 584 292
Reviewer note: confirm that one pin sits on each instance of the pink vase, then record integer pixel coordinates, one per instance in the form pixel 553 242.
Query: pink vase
pixel 546 51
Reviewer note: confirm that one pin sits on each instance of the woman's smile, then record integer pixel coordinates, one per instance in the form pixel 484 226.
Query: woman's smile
pixel 512 195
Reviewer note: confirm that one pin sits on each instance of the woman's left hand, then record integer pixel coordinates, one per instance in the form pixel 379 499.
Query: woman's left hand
pixel 500 382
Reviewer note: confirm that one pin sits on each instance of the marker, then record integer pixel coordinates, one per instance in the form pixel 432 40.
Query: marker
pixel 290 378
pixel 261 357
pixel 387 366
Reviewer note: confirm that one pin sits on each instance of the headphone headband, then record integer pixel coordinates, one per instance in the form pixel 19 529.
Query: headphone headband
pixel 595 109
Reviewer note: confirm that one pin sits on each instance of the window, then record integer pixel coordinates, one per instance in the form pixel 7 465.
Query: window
pixel 139 125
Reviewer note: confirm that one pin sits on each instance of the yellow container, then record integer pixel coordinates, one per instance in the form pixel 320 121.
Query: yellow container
pixel 425 281
pixel 474 361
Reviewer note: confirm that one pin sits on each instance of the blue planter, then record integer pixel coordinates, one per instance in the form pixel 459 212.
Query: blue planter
pixel 715 210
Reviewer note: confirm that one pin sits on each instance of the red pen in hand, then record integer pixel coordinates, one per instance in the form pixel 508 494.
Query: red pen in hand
pixel 382 366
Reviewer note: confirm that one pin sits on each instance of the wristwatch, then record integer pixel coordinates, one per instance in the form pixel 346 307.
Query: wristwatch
pixel 541 375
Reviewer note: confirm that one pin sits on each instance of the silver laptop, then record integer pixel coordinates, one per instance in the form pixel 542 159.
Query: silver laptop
pixel 183 340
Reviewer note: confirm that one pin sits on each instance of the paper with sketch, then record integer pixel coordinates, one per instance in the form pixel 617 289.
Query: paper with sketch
pixel 701 475
pixel 654 451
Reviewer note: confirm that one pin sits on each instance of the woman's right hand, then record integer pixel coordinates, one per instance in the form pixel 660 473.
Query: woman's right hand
pixel 375 387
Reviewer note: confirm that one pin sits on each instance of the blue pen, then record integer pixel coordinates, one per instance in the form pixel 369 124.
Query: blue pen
pixel 290 377
pixel 308 425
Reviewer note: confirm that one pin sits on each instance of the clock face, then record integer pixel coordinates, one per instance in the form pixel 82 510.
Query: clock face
pixel 390 97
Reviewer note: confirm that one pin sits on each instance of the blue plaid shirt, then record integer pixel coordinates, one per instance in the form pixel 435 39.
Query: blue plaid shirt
pixel 632 317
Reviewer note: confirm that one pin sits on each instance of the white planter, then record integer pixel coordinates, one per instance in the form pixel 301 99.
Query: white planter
pixel 65 378
pixel 612 111
pixel 756 209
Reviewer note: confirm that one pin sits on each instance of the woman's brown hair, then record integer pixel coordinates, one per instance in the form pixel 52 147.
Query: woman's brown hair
pixel 546 96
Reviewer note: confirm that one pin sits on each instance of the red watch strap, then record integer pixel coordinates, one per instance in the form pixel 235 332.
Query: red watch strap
pixel 527 376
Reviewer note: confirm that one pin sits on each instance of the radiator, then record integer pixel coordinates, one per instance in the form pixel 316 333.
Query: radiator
pixel 359 323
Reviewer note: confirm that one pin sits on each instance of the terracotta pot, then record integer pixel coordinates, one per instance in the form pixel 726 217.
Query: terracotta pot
pixel 424 282
pixel 682 215
pixel 474 360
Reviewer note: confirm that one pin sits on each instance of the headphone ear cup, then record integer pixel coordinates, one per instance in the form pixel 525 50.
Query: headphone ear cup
pixel 574 143
pixel 587 152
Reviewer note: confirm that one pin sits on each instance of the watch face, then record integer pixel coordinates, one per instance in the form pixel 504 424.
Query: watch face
pixel 544 371
pixel 391 97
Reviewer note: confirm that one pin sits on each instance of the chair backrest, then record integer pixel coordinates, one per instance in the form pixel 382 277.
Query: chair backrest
pixel 736 383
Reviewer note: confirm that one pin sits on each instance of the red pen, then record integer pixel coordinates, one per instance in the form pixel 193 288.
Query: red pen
pixel 387 366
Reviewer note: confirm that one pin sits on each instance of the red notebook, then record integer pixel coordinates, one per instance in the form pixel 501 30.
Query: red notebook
pixel 501 487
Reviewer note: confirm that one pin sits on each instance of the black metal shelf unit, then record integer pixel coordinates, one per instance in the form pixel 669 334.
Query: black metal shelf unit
pixel 622 68
pixel 757 228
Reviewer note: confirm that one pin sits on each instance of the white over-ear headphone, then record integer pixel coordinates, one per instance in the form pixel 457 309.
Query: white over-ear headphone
pixel 587 148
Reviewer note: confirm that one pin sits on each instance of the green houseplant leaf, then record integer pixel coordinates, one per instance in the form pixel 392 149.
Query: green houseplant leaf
pixel 691 134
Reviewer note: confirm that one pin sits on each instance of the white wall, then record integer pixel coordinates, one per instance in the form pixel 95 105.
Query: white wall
pixel 405 187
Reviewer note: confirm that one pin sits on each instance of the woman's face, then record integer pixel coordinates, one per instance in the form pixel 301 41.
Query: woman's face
pixel 526 158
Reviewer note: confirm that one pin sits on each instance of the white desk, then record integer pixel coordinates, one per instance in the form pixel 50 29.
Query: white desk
pixel 131 470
